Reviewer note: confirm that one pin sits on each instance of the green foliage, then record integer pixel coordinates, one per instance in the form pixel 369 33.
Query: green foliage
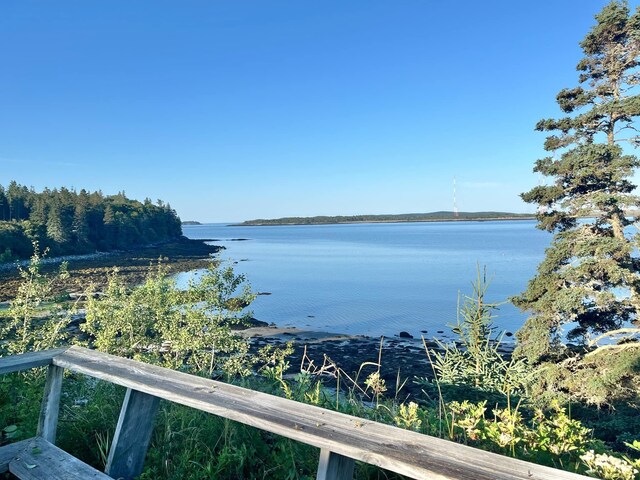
pixel 408 416
pixel 88 417
pixel 608 467
pixel 550 438
pixel 604 377
pixel 547 436
pixel 20 399
pixel 590 276
pixel 194 445
pixel 376 384
pixel 34 322
pixel 473 361
pixel 70 222
pixel 14 243
pixel 181 329
pixel 274 365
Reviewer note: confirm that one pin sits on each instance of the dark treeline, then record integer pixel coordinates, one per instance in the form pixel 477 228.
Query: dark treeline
pixel 406 217
pixel 70 222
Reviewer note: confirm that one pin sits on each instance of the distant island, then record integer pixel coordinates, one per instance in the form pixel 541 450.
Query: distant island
pixel 442 216
pixel 191 222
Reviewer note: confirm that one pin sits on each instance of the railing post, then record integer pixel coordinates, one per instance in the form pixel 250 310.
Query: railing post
pixel 132 435
pixel 333 466
pixel 48 420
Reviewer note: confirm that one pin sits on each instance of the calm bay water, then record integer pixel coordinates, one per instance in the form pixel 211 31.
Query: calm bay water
pixel 378 279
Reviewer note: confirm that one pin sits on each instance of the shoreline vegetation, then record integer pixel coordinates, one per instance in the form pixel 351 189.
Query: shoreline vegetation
pixel 179 255
pixel 404 356
pixel 401 359
pixel 433 387
pixel 183 255
pixel 442 216
pixel 388 385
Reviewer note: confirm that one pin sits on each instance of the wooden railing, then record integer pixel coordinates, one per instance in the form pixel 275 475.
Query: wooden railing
pixel 341 438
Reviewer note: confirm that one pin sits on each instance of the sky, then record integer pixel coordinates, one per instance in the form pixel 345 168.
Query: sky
pixel 233 110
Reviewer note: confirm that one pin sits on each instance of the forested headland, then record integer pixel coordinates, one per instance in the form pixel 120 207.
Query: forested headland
pixel 70 222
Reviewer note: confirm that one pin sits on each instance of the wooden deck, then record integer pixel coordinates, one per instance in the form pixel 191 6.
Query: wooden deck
pixel 341 438
pixel 38 459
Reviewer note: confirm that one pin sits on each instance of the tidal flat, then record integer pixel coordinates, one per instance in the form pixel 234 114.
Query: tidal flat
pixel 180 255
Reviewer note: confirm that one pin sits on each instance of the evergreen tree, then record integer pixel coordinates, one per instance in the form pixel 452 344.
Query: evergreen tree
pixel 69 222
pixel 81 225
pixel 55 225
pixel 4 205
pixel 81 220
pixel 17 198
pixel 36 226
pixel 109 240
pixel 590 277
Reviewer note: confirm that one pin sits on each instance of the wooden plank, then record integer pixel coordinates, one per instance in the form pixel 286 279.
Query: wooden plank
pixel 402 451
pixel 25 361
pixel 40 460
pixel 335 467
pixel 8 453
pixel 48 421
pixel 132 435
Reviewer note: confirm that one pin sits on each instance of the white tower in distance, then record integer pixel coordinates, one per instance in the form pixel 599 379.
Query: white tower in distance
pixel 455 203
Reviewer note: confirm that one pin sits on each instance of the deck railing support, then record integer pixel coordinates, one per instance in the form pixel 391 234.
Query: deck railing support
pixel 402 451
pixel 48 420
pixel 132 435
pixel 333 466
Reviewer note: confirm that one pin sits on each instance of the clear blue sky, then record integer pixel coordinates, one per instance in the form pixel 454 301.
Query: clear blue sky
pixel 231 110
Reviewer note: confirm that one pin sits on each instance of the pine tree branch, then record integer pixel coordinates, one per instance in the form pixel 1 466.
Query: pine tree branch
pixel 620 331
pixel 619 346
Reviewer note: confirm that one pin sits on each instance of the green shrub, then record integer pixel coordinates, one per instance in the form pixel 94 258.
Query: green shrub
pixel 34 322
pixel 157 322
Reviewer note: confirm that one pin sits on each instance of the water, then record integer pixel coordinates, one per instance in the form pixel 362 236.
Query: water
pixel 378 279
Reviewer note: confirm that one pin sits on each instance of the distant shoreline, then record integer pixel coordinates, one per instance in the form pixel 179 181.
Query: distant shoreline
pixel 283 222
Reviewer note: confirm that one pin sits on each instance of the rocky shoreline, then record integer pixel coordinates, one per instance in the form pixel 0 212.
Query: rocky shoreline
pixel 180 255
pixel 402 359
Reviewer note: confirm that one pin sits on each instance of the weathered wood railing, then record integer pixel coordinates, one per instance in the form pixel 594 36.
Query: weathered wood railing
pixel 342 439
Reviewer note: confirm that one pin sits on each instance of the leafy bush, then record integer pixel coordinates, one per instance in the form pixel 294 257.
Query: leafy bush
pixel 186 329
pixel 33 321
